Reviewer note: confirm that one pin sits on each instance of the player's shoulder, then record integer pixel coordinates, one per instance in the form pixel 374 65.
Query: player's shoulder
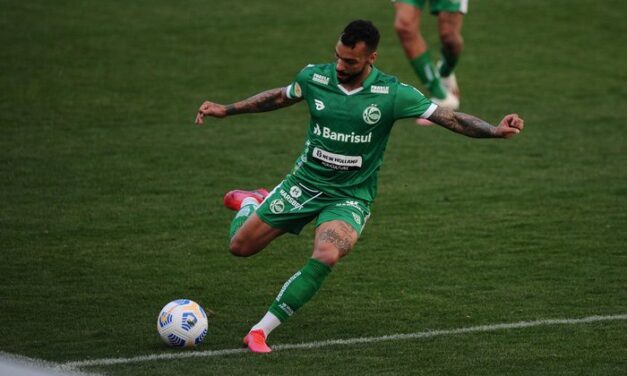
pixel 390 83
pixel 317 73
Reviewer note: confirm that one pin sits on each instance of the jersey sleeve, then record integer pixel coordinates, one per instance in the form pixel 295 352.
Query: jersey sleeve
pixel 298 87
pixel 411 103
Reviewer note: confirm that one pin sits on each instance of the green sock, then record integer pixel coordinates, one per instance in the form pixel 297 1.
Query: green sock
pixel 299 289
pixel 447 65
pixel 425 69
pixel 241 217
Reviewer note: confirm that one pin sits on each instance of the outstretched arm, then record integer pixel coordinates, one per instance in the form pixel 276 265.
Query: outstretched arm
pixel 268 100
pixel 472 126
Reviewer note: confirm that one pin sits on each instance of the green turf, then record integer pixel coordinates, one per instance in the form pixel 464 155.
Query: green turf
pixel 110 197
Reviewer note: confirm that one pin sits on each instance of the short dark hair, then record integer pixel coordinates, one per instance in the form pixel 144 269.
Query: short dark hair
pixel 361 31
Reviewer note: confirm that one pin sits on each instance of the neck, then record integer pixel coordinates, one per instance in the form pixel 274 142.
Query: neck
pixel 359 81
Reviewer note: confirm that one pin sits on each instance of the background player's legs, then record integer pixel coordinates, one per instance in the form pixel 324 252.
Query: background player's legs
pixel 334 240
pixel 407 25
pixel 450 27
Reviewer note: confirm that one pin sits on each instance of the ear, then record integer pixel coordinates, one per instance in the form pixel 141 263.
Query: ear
pixel 373 57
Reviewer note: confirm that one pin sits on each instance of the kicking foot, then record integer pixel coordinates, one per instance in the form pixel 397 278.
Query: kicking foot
pixel 450 101
pixel 233 199
pixel 450 83
pixel 256 342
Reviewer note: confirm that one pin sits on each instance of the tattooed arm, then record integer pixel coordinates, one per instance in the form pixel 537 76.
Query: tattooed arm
pixel 268 100
pixel 472 126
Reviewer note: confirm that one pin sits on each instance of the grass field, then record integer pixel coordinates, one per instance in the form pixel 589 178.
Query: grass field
pixel 111 199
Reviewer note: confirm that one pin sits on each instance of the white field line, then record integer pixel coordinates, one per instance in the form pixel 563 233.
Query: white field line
pixel 343 342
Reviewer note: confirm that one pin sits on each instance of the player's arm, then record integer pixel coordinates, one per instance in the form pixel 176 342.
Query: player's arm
pixel 472 126
pixel 268 100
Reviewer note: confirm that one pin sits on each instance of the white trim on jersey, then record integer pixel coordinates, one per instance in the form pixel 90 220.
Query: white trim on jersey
pixel 288 90
pixel 429 111
pixel 352 91
pixel 463 7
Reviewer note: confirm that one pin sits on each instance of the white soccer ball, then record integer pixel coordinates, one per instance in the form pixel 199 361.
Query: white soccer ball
pixel 182 323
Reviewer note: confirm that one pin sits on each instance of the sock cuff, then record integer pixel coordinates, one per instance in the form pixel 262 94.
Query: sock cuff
pixel 317 267
pixel 421 59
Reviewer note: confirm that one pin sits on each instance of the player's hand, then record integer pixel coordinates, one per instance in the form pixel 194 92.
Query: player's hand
pixel 210 109
pixel 510 126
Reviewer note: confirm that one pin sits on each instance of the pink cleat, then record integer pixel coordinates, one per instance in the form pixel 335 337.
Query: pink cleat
pixel 233 199
pixel 256 342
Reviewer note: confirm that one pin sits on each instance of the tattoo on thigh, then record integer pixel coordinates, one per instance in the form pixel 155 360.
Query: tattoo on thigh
pixel 343 243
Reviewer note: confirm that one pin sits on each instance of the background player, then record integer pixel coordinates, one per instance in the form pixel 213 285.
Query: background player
pixel 353 107
pixel 441 82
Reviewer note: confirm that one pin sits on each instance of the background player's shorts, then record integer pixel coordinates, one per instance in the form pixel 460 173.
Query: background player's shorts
pixel 437 6
pixel 291 205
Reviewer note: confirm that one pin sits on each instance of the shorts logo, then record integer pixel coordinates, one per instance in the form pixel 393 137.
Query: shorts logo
pixel 357 218
pixel 372 114
pixel 319 104
pixel 277 206
pixel 295 192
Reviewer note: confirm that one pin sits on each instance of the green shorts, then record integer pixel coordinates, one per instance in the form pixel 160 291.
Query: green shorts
pixel 437 6
pixel 292 204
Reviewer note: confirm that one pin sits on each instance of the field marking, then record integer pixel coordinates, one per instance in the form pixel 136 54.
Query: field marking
pixel 343 342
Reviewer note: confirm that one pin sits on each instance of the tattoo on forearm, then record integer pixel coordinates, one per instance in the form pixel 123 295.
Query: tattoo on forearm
pixel 265 101
pixel 474 126
pixel 462 123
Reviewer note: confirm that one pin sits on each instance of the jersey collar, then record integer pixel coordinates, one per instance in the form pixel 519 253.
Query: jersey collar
pixel 367 82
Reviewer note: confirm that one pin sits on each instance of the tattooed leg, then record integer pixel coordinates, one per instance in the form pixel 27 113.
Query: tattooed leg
pixel 334 240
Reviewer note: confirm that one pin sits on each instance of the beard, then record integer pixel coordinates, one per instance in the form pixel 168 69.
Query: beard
pixel 346 78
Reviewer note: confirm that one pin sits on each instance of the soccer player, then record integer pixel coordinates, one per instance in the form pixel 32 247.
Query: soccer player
pixel 352 106
pixel 441 82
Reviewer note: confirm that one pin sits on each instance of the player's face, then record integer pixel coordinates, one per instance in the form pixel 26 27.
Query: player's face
pixel 351 63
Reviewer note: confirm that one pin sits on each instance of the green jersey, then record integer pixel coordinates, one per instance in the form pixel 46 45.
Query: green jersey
pixel 348 131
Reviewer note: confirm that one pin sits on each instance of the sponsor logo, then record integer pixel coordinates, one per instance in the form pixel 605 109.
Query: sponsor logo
pixel 356 218
pixel 337 161
pixel 289 199
pixel 295 192
pixel 372 114
pixel 343 137
pixel 286 285
pixel 352 204
pixel 379 89
pixel 277 206
pixel 319 104
pixel 287 309
pixel 320 79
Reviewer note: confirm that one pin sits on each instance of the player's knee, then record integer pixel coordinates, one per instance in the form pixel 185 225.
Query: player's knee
pixel 405 27
pixel 452 42
pixel 239 248
pixel 329 254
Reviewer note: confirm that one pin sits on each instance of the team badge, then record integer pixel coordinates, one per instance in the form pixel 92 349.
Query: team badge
pixel 277 206
pixel 372 114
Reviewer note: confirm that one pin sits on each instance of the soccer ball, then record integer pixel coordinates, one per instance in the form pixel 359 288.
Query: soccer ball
pixel 182 323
